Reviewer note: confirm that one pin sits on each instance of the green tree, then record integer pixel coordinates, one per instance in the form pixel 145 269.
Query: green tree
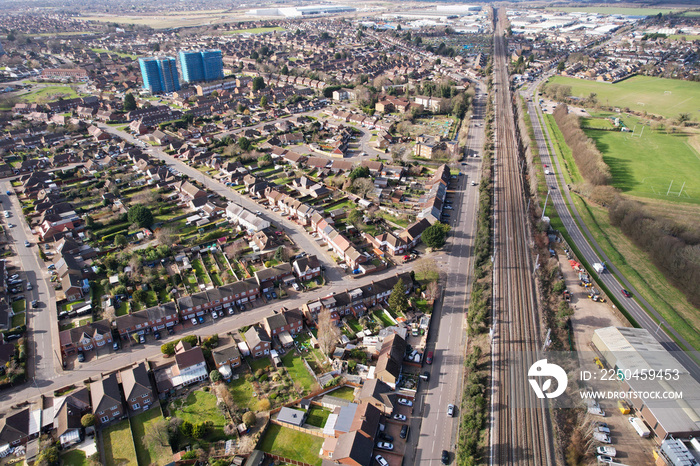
pixel 215 376
pixel 186 428
pixel 561 66
pixel 168 349
pixel 398 300
pixel 263 101
pixel 120 241
pixel 249 419
pixel 244 143
pixel 355 217
pixel 141 296
pixel 199 431
pixel 48 456
pixel 285 69
pixel 258 83
pixel 359 172
pixel 141 215
pixel 129 102
pixel 434 236
pixel 87 420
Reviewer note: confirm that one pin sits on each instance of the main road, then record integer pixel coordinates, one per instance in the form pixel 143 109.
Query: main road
pixel 592 252
pixel 447 337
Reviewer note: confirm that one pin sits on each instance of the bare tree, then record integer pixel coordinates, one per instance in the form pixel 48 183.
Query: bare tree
pixel 363 186
pixel 110 314
pixel 328 332
pixel 166 235
pixel 427 268
pixel 157 433
pixel 432 291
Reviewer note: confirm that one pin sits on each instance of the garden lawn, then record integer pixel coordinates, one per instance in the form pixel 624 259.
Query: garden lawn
pixel 355 325
pixel 151 453
pixel 49 92
pixel 19 306
pixel 292 444
pixel 199 270
pixel 74 458
pixel 242 393
pixel 317 416
pixel 261 363
pixel 383 318
pixel 641 93
pixel 646 166
pixel 294 364
pixel 346 393
pixel 119 445
pixel 200 406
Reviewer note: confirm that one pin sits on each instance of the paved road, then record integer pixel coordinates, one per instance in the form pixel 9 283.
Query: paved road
pixel 44 362
pixel 447 339
pixel 593 253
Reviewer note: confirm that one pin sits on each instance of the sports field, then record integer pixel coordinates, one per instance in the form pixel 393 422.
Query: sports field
pixel 645 166
pixel 665 97
pixel 49 92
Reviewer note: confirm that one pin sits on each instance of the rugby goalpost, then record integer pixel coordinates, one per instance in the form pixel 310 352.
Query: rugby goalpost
pixel 679 192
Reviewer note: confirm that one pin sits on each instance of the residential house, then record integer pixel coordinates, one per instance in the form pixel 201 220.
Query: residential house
pixel 258 341
pixel 307 267
pixel 378 394
pixel 268 277
pixel 14 428
pixel 353 449
pixel 190 366
pixel 245 219
pixel 390 359
pixel 227 356
pixel 67 412
pixel 149 320
pixel 289 322
pixel 411 235
pixel 106 400
pixel 138 391
pixel 86 337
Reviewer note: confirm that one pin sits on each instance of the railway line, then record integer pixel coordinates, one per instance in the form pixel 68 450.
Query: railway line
pixel 520 424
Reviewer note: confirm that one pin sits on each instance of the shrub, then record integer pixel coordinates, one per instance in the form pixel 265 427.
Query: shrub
pixel 259 373
pixel 87 420
pixel 215 376
pixel 264 404
pixel 249 419
pixel 186 428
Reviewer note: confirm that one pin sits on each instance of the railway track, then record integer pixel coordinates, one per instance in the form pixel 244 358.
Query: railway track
pixel 521 425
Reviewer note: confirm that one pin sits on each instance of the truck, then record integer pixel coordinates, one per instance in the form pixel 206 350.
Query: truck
pixel 599 268
pixel 639 426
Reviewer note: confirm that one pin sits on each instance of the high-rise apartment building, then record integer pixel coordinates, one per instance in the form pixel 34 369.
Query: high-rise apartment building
pixel 159 74
pixel 204 65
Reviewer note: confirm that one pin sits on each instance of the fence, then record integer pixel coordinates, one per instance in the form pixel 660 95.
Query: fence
pixel 317 432
pixel 287 460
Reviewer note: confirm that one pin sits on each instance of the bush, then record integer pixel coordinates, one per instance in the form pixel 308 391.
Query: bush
pixel 186 428
pixel 249 419
pixel 215 376
pixel 259 373
pixel 199 431
pixel 264 404
pixel 262 378
pixel 87 420
pixel 190 455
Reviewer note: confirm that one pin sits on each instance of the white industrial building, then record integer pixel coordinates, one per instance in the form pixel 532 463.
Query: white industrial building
pixel 302 11
pixel 630 350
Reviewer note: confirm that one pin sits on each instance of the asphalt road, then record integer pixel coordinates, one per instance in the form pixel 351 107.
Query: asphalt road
pixel 44 363
pixel 593 253
pixel 447 339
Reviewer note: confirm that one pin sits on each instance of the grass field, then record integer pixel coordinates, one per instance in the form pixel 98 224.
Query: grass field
pixel 74 458
pixel 242 393
pixel 298 371
pixel 597 123
pixel 634 264
pixel 346 393
pixel 152 453
pixel 254 30
pixel 317 416
pixel 119 445
pixel 641 93
pixel 646 166
pixel 200 406
pixel 112 52
pixel 49 92
pixel 688 37
pixel 292 444
pixel 611 10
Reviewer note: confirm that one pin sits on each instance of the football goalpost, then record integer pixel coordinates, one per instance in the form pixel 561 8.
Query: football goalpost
pixel 679 192
pixel 668 92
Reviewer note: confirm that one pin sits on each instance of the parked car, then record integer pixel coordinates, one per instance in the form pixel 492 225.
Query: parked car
pixel 603 438
pixel 11 225
pixel 607 451
pixel 26 244
pixel 604 430
pixel 274 295
pixel 385 445
pixel 16 298
pixel 425 376
pixel 200 319
pixel 231 311
pixel 241 307
pixel 194 321
pixel 142 339
pixel 156 335
pixel 604 459
pixel 381 461
pixel 385 437
pixel 429 358
pixel 404 431
pixel 405 402
pixel 29 287
pixel 267 296
pixel 445 458
pixel 81 356
pixel 35 304
pixel 450 410
pixel 115 346
pixel 214 315
pixel 399 417
pixel 14 276
pixel 15 290
pixel 52 266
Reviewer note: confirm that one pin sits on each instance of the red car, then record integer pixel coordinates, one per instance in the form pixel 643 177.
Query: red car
pixel 626 293
pixel 429 358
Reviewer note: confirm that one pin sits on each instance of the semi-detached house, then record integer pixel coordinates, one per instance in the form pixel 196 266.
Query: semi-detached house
pixel 86 337
pixel 106 400
pixel 219 298
pixel 149 320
